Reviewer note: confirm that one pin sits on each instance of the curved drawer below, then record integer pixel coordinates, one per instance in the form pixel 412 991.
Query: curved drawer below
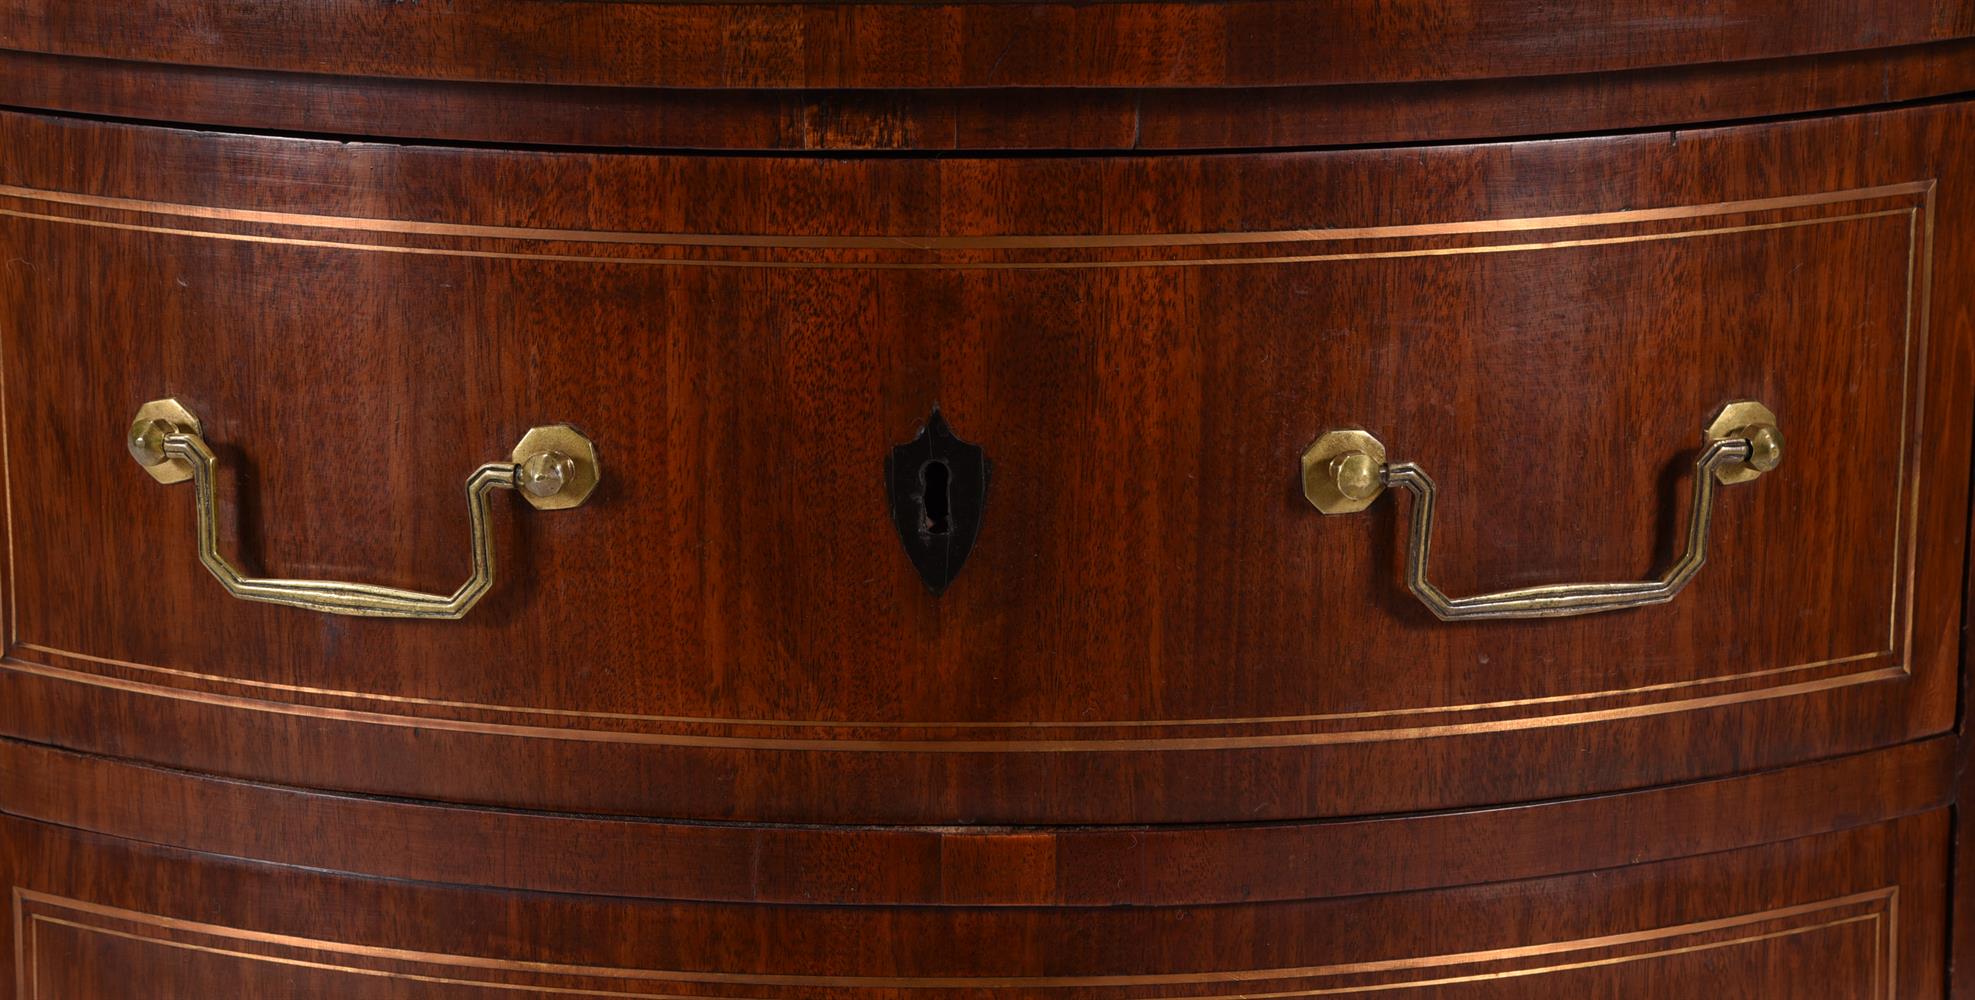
pixel 1855 915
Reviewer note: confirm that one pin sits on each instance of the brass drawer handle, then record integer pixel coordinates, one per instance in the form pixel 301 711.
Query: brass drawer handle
pixel 1345 470
pixel 553 467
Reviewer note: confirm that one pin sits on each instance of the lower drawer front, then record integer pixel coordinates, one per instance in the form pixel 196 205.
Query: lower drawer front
pixel 1855 914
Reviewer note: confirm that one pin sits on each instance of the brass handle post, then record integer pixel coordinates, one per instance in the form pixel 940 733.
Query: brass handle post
pixel 552 467
pixel 1346 470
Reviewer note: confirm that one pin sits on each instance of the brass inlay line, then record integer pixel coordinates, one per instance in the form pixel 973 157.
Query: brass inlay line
pixel 1906 380
pixel 21 986
pixel 1504 974
pixel 1051 265
pixel 1887 897
pixel 1924 294
pixel 853 724
pixel 1889 945
pixel 7 493
pixel 1902 668
pixel 954 746
pixel 1030 242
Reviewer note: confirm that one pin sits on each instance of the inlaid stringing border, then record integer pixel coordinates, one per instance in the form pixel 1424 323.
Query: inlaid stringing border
pixel 1877 910
pixel 1920 220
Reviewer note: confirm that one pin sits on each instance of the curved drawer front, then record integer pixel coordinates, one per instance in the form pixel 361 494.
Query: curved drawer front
pixel 1141 616
pixel 1848 915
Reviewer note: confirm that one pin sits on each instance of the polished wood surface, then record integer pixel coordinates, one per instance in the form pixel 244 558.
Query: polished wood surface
pixel 1853 914
pixel 1962 911
pixel 965 43
pixel 1168 733
pixel 993 866
pixel 1136 119
pixel 731 630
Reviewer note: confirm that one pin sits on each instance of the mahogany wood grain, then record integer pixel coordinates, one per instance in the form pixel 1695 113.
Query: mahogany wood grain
pixel 914 866
pixel 1119 43
pixel 1961 922
pixel 985 119
pixel 1170 734
pixel 1843 915
pixel 1154 626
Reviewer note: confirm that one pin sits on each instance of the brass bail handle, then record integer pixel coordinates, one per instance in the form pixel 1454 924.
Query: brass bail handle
pixel 1345 470
pixel 553 468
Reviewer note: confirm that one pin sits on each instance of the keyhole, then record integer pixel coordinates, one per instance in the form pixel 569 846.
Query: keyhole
pixel 933 499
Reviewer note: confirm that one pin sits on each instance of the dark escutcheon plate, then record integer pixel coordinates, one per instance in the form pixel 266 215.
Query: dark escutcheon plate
pixel 938 488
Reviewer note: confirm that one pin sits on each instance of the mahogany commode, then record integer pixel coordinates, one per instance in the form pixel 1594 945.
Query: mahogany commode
pixel 932 593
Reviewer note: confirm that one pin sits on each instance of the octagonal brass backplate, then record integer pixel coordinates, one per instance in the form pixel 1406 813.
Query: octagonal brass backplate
pixel 154 420
pixel 1320 479
pixel 582 469
pixel 1735 419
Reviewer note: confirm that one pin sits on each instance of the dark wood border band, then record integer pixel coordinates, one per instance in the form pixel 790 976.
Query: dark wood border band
pixel 957 43
pixel 946 866
pixel 1120 119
